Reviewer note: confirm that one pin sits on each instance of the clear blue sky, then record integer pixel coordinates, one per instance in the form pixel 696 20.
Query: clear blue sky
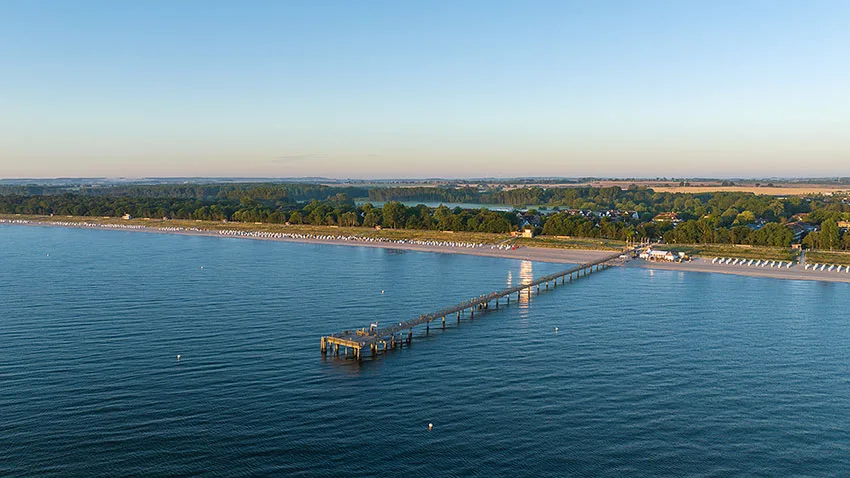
pixel 424 88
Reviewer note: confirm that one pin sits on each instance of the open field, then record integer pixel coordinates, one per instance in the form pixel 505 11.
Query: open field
pixel 737 251
pixel 788 190
pixel 828 257
pixel 698 187
pixel 571 243
pixel 778 188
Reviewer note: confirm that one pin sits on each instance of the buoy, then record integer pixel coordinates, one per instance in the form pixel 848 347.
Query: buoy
pixel 202 267
pixel 178 357
pixel 382 291
pixel 430 426
pixel 556 329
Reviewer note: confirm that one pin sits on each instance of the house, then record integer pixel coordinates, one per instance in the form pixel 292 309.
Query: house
pixel 755 226
pixel 844 224
pixel 528 220
pixel 800 229
pixel 127 217
pixel 670 217
pixel 657 255
pixel 528 232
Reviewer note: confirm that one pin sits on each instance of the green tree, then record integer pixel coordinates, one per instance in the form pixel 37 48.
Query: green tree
pixel 372 218
pixel 395 214
pixel 349 219
pixel 830 236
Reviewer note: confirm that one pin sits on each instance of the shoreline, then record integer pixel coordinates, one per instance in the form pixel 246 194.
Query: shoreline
pixel 526 253
pixel 534 254
pixel 702 265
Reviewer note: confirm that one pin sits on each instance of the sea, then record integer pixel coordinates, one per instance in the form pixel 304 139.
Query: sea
pixel 649 373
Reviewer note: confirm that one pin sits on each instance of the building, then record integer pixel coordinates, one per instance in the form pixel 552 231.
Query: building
pixel 755 226
pixel 670 217
pixel 657 255
pixel 127 217
pixel 800 229
pixel 528 220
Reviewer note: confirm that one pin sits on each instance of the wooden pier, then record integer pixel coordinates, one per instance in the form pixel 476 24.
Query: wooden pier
pixel 377 340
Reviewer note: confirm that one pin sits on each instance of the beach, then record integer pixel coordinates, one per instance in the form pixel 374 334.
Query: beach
pixel 795 272
pixel 527 253
pixel 537 254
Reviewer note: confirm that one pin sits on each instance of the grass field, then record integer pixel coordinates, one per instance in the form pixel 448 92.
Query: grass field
pixel 828 257
pixel 764 190
pixel 395 234
pixel 740 251
pixel 711 250
pixel 392 234
pixel 571 243
pixel 779 189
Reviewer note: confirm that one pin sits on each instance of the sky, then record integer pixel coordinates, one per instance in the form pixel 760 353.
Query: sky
pixel 390 89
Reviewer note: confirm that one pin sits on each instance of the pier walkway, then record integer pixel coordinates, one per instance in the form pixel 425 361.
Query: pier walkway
pixel 378 340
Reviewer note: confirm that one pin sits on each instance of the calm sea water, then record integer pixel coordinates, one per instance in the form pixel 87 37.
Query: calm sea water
pixel 651 372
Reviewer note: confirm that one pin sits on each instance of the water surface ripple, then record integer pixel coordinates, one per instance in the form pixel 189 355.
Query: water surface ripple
pixel 651 372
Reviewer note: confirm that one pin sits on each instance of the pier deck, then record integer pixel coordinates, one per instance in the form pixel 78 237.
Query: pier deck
pixel 382 339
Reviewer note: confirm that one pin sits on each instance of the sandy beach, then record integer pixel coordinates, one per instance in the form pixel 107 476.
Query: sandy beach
pixel 537 254
pixel 795 272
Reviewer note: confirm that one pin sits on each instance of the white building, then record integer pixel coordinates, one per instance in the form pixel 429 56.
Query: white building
pixel 658 255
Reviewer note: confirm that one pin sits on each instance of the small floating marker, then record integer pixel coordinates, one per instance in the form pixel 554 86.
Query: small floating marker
pixel 556 329
pixel 382 291
pixel 430 426
pixel 202 267
pixel 178 358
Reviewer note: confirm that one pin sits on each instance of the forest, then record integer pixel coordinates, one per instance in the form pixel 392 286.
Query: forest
pixel 610 213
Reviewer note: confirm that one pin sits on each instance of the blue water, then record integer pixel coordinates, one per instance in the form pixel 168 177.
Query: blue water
pixel 651 372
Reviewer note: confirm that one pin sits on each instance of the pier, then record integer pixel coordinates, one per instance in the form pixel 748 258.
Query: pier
pixel 381 340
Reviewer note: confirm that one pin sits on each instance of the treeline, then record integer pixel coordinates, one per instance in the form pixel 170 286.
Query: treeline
pixel 829 237
pixel 81 205
pixel 623 229
pixel 732 208
pixel 338 210
pixel 611 213
pixel 646 202
pixel 341 211
pixel 426 194
pixel 707 230
pixel 279 192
